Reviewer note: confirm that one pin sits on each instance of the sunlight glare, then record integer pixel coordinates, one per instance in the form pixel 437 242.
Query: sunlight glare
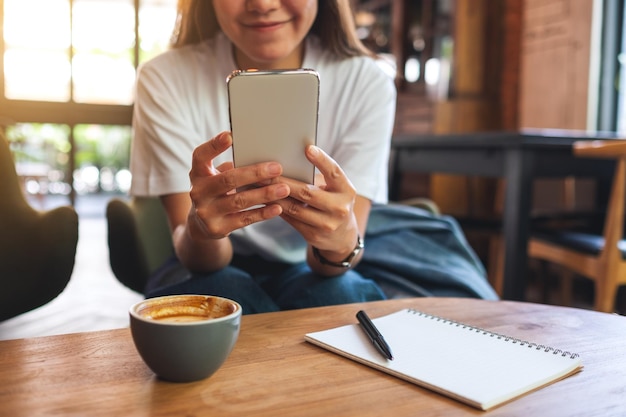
pixel 49 27
pixel 105 24
pixel 40 39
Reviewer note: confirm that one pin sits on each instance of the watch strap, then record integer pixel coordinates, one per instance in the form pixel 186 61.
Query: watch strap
pixel 345 263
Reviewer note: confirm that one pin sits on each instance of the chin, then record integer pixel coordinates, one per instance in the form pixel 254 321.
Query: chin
pixel 274 58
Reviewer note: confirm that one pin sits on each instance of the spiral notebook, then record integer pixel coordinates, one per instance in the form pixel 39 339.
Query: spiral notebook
pixel 472 365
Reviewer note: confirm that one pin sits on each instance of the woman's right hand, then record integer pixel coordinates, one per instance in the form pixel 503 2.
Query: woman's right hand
pixel 216 208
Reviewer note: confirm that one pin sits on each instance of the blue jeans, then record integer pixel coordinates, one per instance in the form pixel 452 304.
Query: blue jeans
pixel 261 286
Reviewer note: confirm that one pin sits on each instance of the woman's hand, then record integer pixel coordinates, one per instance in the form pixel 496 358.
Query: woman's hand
pixel 329 215
pixel 217 209
pixel 201 219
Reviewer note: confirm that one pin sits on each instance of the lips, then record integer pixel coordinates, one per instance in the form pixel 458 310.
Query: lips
pixel 265 25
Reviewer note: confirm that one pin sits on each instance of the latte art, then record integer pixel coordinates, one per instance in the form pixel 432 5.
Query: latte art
pixel 181 318
pixel 185 309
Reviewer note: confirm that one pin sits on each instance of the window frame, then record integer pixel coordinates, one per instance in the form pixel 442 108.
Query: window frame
pixel 611 47
pixel 70 113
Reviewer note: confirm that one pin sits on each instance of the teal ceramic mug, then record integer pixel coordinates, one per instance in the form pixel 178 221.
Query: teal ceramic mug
pixel 185 338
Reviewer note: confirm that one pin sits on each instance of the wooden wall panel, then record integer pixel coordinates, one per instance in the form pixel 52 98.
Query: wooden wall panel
pixel 554 83
pixel 555 63
pixel 470 46
pixel 470 107
pixel 462 195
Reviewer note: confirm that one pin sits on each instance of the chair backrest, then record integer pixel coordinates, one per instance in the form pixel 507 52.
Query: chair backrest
pixel 139 239
pixel 614 220
pixel 37 248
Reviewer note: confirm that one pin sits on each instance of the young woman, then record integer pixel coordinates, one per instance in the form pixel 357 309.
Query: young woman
pixel 299 248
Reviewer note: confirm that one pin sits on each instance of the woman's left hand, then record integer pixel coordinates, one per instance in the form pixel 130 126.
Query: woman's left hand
pixel 324 213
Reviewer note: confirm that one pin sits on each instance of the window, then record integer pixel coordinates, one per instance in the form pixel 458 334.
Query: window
pixel 36 59
pixel 103 38
pixel 66 84
pixel 611 109
pixel 621 73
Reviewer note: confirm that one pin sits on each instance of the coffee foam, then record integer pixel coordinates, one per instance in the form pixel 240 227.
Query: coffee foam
pixel 180 318
pixel 185 309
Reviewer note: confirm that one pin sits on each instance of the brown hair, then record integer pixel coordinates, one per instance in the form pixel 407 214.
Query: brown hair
pixel 333 25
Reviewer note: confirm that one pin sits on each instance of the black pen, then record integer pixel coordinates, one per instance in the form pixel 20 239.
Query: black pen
pixel 374 335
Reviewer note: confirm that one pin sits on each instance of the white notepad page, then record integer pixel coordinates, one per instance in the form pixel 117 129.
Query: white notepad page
pixel 472 365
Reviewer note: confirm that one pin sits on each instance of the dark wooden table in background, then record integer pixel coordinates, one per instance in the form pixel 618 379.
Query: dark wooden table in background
pixel 517 157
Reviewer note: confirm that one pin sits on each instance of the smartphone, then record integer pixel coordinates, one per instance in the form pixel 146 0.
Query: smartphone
pixel 273 117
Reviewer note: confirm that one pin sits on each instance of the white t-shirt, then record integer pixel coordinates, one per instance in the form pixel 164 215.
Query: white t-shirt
pixel 181 101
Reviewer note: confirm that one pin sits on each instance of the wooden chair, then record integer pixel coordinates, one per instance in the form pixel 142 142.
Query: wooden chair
pixel 601 258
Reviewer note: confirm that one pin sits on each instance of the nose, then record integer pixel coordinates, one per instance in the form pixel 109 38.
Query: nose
pixel 262 6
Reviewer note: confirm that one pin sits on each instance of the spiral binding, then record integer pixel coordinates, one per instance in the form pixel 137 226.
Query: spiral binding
pixel 499 336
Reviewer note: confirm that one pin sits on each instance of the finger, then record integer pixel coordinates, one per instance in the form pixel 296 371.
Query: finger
pixel 305 229
pixel 203 155
pixel 225 179
pixel 295 212
pixel 223 214
pixel 238 178
pixel 334 176
pixel 243 200
pixel 225 166
pixel 248 217
pixel 302 194
pixel 234 221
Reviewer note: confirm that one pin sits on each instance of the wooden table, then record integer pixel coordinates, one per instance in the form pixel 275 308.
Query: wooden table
pixel 274 372
pixel 517 157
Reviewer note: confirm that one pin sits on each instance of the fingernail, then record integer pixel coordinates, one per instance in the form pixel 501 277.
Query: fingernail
pixel 274 169
pixel 314 150
pixel 274 210
pixel 282 191
pixel 224 137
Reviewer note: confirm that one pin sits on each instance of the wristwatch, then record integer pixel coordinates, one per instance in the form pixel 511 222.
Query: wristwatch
pixel 347 262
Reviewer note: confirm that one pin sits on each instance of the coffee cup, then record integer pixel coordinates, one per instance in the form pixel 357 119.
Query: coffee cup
pixel 185 338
